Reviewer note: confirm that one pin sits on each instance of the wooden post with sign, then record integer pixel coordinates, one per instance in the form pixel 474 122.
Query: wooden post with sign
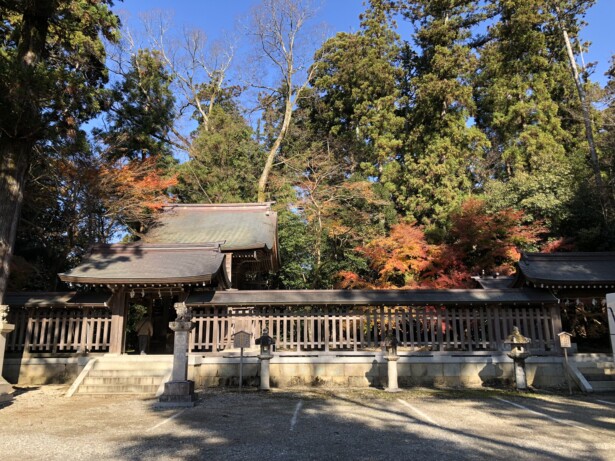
pixel 241 339
pixel 564 342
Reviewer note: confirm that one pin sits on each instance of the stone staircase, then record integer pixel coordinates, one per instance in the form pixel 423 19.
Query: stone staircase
pixel 142 375
pixel 599 374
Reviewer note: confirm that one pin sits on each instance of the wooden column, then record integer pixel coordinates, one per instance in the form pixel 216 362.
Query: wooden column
pixel 228 260
pixel 556 321
pixel 118 322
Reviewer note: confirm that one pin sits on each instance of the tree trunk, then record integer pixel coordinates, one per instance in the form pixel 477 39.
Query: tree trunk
pixel 20 134
pixel 589 134
pixel 14 160
pixel 262 183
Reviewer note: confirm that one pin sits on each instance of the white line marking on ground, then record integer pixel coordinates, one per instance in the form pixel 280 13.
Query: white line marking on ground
pixel 559 421
pixel 166 420
pixel 419 412
pixel 606 401
pixel 293 420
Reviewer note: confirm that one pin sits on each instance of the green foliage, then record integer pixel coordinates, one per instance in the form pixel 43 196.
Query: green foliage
pixel 141 115
pixel 225 161
pixel 524 98
pixel 443 150
pixel 358 78
pixel 52 65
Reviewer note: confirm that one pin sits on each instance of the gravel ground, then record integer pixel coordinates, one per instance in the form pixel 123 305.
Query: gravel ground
pixel 308 424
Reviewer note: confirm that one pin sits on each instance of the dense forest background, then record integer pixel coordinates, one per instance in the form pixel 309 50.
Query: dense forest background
pixel 394 161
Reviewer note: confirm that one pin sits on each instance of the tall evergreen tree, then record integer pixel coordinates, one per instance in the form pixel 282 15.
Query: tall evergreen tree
pixel 523 93
pixel 358 78
pixel 140 117
pixel 52 67
pixel 225 160
pixel 443 149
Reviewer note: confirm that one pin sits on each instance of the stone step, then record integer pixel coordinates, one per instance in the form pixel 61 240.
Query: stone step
pixel 132 366
pixel 125 380
pixel 599 365
pixel 118 389
pixel 127 373
pixel 603 386
pixel 598 372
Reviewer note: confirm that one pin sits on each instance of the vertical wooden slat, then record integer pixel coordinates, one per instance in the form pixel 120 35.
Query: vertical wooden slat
pixel 454 317
pixel 411 326
pixel 439 328
pixel 483 326
pixel 497 329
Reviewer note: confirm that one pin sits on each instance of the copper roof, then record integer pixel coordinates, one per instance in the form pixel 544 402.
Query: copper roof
pixel 143 264
pixel 369 297
pixel 567 269
pixel 238 226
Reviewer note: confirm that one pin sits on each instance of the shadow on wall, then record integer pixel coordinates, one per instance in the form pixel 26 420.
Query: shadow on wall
pixel 373 375
pixel 38 371
pixel 492 375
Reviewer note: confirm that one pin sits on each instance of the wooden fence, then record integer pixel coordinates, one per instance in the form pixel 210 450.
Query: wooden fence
pixel 59 330
pixel 481 328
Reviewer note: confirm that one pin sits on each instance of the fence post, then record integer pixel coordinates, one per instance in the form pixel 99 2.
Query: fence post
pixel 556 321
pixel 326 338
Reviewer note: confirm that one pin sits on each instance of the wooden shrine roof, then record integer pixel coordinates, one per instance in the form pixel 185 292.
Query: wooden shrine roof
pixel 57 299
pixel 557 270
pixel 237 226
pixel 369 297
pixel 139 264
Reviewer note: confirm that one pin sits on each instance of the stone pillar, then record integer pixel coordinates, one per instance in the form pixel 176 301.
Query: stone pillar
pixel 6 390
pixel 392 373
pixel 265 384
pixel 519 370
pixel 179 392
pixel 610 312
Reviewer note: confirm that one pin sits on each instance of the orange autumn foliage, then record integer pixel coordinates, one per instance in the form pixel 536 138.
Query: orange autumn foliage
pixel 134 191
pixel 478 240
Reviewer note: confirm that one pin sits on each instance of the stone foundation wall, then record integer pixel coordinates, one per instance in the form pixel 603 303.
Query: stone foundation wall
pixel 43 370
pixel 371 371
pixel 334 371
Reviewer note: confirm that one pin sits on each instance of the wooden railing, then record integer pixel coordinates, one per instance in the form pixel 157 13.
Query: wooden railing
pixel 59 330
pixel 342 329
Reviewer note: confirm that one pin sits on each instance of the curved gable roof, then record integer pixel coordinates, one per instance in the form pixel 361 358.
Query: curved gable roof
pixel 143 264
pixel 568 269
pixel 243 226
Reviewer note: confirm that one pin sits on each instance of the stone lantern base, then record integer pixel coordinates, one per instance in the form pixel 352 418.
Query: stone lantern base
pixel 177 394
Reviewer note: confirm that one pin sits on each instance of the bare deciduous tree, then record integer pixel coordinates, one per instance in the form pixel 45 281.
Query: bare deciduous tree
pixel 279 27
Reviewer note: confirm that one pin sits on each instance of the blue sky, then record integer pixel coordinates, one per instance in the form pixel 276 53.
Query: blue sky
pixel 217 16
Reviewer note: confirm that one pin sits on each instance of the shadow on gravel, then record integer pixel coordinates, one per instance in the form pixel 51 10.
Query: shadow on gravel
pixel 321 425
pixel 17 391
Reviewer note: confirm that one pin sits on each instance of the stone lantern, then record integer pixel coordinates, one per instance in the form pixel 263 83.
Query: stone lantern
pixel 265 342
pixel 391 357
pixel 518 353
